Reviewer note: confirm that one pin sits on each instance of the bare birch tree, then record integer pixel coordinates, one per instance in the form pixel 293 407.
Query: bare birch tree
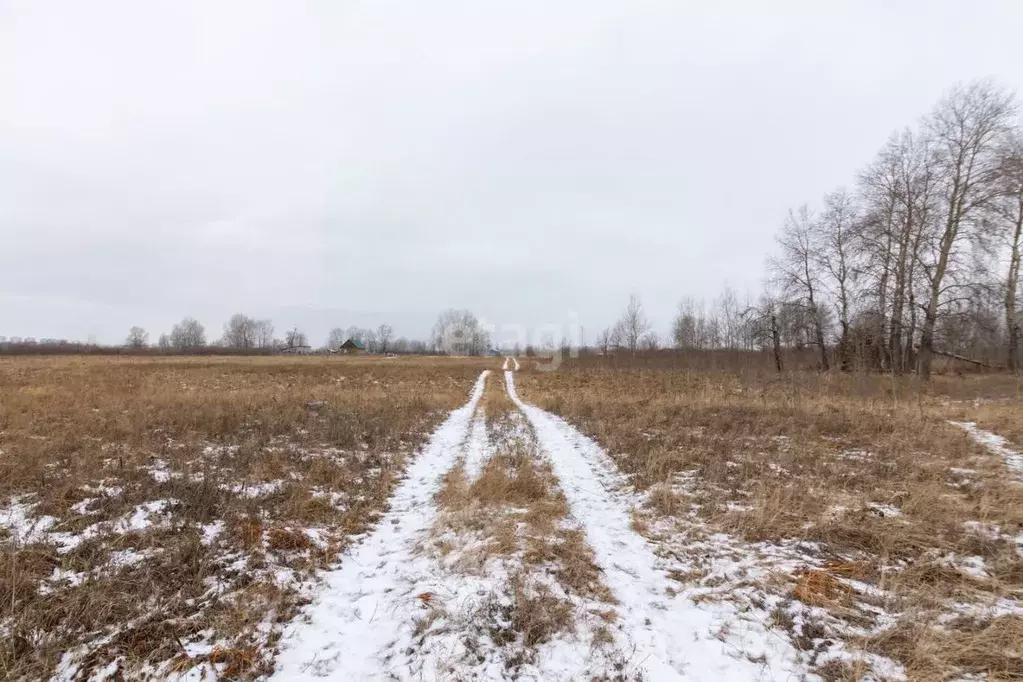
pixel 837 246
pixel 137 338
pixel 633 324
pixel 384 334
pixel 335 338
pixel 796 273
pixel 188 334
pixel 966 127
pixel 1007 210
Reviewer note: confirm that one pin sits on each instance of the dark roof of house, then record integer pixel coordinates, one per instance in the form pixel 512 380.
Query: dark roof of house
pixel 352 343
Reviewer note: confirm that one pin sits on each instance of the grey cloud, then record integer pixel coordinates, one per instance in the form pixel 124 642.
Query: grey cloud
pixel 382 161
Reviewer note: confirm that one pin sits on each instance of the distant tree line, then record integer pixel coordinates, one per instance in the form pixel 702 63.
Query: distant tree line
pixel 921 258
pixel 456 332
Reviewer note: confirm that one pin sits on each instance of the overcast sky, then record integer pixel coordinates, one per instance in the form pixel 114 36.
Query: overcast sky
pixel 353 162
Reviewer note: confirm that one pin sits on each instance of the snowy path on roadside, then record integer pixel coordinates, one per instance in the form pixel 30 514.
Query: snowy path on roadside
pixel 365 609
pixel 507 361
pixel 672 638
pixel 996 444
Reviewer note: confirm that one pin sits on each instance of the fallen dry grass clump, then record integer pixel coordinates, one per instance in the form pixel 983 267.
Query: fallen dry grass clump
pixel 880 535
pixel 159 514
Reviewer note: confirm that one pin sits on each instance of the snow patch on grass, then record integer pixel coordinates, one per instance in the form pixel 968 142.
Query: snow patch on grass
pixel 995 444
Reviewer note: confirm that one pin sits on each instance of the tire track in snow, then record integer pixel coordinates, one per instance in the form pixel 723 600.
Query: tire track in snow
pixel 477 450
pixel 671 638
pixel 366 606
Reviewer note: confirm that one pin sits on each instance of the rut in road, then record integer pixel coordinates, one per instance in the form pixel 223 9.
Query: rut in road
pixel 370 599
pixel 672 638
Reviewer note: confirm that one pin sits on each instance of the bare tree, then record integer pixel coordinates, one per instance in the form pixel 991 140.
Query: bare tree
pixel 164 342
pixel 966 127
pixel 604 340
pixel 295 339
pixel 336 338
pixel 369 337
pixel 633 324
pixel 458 332
pixel 384 334
pixel 649 341
pixel 263 333
pixel 137 338
pixel 188 334
pixel 1007 210
pixel 837 226
pixel 762 320
pixel 796 274
pixel 240 332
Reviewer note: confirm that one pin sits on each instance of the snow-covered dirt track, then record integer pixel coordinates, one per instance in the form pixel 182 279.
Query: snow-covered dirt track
pixel 396 608
pixel 672 638
pixel 364 608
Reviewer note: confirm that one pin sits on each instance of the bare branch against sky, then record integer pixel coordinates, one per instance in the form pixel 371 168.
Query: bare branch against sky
pixel 335 163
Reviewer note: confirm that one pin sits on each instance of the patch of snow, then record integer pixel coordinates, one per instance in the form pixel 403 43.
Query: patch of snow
pixel 141 518
pixel 973 566
pixel 477 448
pixel 251 491
pixel 211 531
pixel 366 608
pixel 1001 606
pixel 985 530
pixel 885 510
pixel 16 517
pixel 856 455
pixel 103 490
pixel 995 444
pixel 123 558
pixel 161 473
pixel 82 508
pixel 336 499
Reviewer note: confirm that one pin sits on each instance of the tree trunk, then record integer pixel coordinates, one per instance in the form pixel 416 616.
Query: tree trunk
pixel 898 309
pixel 931 313
pixel 819 331
pixel 776 338
pixel 957 199
pixel 1012 326
pixel 844 356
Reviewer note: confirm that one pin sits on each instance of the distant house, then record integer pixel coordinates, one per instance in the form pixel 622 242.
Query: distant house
pixel 353 346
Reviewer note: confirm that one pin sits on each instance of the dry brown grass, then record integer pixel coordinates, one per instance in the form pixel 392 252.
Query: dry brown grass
pixel 289 456
pixel 866 467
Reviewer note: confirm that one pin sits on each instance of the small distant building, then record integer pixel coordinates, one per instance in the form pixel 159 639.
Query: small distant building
pixel 353 346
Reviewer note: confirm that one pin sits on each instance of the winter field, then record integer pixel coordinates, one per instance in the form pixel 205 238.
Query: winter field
pixel 452 519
